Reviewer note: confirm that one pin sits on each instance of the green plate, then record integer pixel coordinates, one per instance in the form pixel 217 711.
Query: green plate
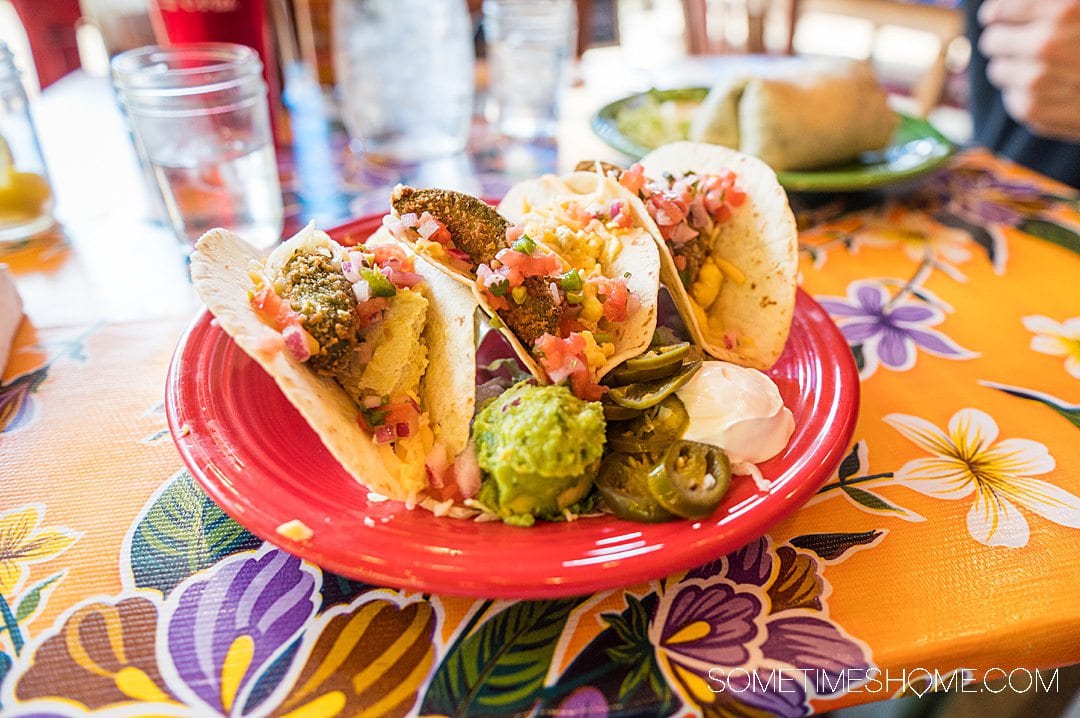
pixel 664 116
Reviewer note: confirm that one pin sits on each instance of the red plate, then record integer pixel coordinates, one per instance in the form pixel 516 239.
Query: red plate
pixel 258 459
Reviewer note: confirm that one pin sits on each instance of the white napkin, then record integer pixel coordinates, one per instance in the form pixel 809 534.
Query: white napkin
pixel 10 314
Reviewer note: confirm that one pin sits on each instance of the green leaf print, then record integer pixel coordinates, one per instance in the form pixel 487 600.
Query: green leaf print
pixel 832 546
pixel 32 598
pixel 1071 412
pixel 1052 232
pixel 499 668
pixel 849 465
pixel 180 533
pixel 868 499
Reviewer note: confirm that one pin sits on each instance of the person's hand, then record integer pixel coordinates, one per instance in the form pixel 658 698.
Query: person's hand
pixel 1033 53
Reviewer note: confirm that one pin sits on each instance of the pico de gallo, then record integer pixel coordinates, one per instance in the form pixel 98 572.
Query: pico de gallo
pixel 689 211
pixel 554 298
pixel 331 307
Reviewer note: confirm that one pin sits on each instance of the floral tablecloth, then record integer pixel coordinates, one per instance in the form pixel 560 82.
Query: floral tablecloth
pixel 942 550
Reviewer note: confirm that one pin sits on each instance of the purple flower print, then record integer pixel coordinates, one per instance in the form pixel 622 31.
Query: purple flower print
pixel 724 623
pixel 810 643
pixel 735 644
pixel 586 702
pixel 229 625
pixel 16 404
pixel 982 198
pixel 889 332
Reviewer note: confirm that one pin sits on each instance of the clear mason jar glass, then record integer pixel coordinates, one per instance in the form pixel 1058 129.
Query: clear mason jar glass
pixel 530 46
pixel 26 198
pixel 405 76
pixel 200 118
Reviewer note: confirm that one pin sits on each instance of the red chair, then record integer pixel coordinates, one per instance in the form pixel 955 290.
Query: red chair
pixel 50 29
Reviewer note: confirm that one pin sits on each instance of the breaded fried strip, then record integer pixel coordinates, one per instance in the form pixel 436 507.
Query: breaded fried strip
pixel 535 316
pixel 477 228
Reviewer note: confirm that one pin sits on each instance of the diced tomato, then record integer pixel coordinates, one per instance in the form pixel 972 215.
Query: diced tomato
pixel 367 311
pixel 633 179
pixel 560 357
pixel 721 194
pixel 668 210
pixel 274 309
pixel 582 214
pixel 615 296
pixel 389 422
pixel 486 279
pixel 266 301
pixel 620 215
pixel 583 387
pixel 391 255
pixel 514 232
pixel 564 358
pixel 680 262
pixel 404 417
pixel 537 264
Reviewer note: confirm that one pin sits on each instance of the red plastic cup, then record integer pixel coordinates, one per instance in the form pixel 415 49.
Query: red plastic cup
pixel 244 22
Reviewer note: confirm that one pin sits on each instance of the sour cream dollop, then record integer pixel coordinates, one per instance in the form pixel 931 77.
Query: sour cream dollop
pixel 737 409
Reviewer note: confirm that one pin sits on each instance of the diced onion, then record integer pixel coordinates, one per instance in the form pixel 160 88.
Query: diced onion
pixel 361 289
pixel 296 342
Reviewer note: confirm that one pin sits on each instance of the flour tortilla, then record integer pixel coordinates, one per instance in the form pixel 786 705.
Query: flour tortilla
pixel 747 324
pixel 638 257
pixel 799 117
pixel 219 271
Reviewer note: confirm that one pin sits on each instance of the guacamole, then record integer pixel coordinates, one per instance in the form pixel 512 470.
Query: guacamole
pixel 539 448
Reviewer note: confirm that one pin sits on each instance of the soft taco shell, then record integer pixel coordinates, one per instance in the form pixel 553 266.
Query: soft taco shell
pixel 637 257
pixel 219 270
pixel 760 240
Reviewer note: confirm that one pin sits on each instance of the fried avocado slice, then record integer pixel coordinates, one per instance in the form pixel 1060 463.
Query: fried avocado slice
pixel 537 314
pixel 477 228
pixel 322 296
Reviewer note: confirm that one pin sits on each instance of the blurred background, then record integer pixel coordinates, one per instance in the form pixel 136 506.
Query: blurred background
pixel 916 46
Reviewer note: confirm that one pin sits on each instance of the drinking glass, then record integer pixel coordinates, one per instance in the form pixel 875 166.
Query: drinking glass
pixel 529 46
pixel 199 117
pixel 26 198
pixel 405 76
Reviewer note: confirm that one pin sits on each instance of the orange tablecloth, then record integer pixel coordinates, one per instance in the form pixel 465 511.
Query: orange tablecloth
pixel 945 545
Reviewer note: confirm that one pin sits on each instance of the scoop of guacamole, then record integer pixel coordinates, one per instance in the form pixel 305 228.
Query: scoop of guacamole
pixel 539 448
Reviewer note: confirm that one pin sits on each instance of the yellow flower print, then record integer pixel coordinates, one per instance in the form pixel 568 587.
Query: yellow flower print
pixel 920 238
pixel 22 543
pixel 968 458
pixel 1056 339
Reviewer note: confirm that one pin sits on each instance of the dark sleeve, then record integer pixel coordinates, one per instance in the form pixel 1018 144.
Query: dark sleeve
pixel 993 128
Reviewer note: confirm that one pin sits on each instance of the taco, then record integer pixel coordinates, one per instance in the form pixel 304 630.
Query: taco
pixel 375 353
pixel 729 246
pixel 566 267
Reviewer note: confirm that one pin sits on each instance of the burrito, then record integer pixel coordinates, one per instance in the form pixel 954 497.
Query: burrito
pixel 566 267
pixel 375 351
pixel 800 117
